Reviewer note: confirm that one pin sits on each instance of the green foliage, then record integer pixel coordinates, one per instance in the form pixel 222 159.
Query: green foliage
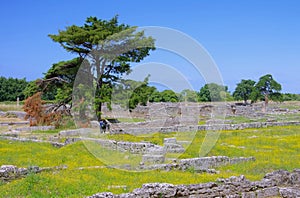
pixel 268 87
pixel 57 83
pixel 141 95
pixel 121 44
pixel 213 92
pixel 12 88
pixel 164 96
pixel 130 93
pixel 59 79
pixel 290 97
pixel 31 89
pixel 155 97
pixel 244 90
pixel 187 95
pixel 169 96
pixel 34 86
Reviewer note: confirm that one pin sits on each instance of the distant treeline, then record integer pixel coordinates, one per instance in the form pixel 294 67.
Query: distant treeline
pixel 12 88
pixel 132 93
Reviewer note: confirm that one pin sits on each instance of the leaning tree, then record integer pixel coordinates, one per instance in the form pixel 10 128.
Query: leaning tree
pixel 106 48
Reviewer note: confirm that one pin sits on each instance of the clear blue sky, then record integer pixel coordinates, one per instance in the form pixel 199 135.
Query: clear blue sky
pixel 247 39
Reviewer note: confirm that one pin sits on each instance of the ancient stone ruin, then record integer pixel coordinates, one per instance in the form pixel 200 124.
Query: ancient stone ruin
pixel 276 184
pixel 11 172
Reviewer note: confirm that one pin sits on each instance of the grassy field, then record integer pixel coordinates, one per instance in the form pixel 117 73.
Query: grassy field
pixel 10 107
pixel 274 148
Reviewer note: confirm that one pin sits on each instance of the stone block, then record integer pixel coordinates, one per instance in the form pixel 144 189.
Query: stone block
pixel 153 158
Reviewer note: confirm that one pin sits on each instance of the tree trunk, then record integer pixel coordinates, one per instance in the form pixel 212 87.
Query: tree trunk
pixel 99 102
pixel 100 69
pixel 99 110
pixel 266 103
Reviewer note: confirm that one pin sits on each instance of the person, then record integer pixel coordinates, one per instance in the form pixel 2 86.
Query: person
pixel 102 126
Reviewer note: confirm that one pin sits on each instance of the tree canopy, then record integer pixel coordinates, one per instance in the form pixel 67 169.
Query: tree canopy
pixel 129 93
pixel 244 90
pixel 213 92
pixel 164 96
pixel 268 87
pixel 109 47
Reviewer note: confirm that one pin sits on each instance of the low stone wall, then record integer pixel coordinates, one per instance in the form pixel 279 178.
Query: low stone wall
pixel 279 183
pixel 14 123
pixel 35 128
pixel 132 147
pixel 180 128
pixel 11 172
pixel 33 139
pixel 17 114
pixel 202 164
pixel 76 132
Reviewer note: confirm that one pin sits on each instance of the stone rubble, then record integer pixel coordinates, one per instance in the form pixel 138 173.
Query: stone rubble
pixel 201 164
pixel 11 172
pixel 277 184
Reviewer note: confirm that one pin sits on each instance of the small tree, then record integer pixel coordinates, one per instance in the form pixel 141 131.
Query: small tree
pixel 268 87
pixel 244 90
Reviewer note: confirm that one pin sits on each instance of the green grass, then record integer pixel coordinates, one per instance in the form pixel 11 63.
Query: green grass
pixel 291 105
pixel 238 119
pixel 155 138
pixel 287 117
pixel 129 120
pixel 274 148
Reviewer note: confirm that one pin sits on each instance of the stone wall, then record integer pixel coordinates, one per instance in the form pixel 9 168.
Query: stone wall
pixel 201 164
pixel 133 147
pixel 277 184
pixel 11 172
pixel 35 128
pixel 182 128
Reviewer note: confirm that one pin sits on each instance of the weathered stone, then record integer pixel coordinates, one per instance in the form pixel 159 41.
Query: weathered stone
pixel 290 192
pixel 173 148
pixel 103 195
pixel 170 140
pixel 77 132
pixel 153 158
pixel 249 195
pixel 235 187
pixel 2 113
pixel 36 128
pixel 94 124
pixel 18 114
pixel 11 172
pixel 267 192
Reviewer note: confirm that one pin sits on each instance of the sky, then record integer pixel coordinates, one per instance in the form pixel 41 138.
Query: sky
pixel 246 39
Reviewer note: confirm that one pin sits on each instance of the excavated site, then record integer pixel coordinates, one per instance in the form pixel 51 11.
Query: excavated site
pixel 170 118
